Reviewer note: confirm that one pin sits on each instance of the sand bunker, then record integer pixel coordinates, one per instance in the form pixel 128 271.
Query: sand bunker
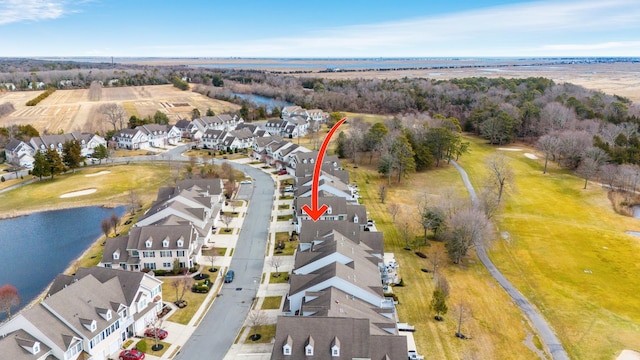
pixel 99 173
pixel 509 149
pixel 531 156
pixel 78 193
pixel 629 355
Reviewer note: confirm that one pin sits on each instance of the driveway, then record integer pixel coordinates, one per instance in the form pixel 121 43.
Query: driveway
pixel 545 332
pixel 219 327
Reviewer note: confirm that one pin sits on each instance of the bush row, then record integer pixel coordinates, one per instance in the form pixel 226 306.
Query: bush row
pixel 37 99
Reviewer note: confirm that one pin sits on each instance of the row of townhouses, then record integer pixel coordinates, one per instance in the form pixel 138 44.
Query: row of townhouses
pixel 336 306
pixel 177 225
pixel 92 313
pixel 296 122
pixel 147 137
pixel 85 316
pixel 21 153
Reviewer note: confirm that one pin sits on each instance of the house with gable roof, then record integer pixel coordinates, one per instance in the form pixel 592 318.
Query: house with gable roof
pixel 88 315
pixel 148 136
pixel 19 153
pixel 224 122
pixel 339 209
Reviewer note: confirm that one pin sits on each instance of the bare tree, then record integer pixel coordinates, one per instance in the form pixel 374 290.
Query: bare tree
pixel 256 319
pixel 382 192
pixel 590 164
pixel 549 144
pixel 394 210
pixel 211 255
pixel 106 226
pixel 180 285
pixel 134 202
pixel 9 298
pixel 467 228
pixel 609 175
pixel 276 262
pixel 114 113
pixel 226 220
pixel 406 229
pixel 115 220
pixel 463 313
pixel 501 174
pixel 436 256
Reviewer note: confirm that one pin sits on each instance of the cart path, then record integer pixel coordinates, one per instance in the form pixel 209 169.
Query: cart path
pixel 547 335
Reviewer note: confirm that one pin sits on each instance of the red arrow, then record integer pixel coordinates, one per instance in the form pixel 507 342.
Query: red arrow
pixel 314 212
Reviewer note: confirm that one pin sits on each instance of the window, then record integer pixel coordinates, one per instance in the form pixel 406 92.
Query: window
pixel 308 350
pixel 116 255
pixel 166 265
pixel 165 243
pixel 148 254
pixel 108 315
pixel 151 266
pixel 180 243
pixel 180 253
pixel 165 253
pixel 286 350
pixel 148 243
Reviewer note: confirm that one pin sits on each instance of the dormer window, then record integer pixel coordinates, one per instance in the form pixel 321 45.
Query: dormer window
pixel 90 325
pixel 148 243
pixel 329 210
pixel 288 344
pixel 116 255
pixel 355 219
pixel 36 348
pixel 165 243
pixel 308 350
pixel 335 347
pixel 180 242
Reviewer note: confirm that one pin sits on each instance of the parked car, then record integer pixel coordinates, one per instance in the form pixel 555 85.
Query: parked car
pixel 229 276
pixel 245 182
pixel 288 188
pixel 132 354
pixel 162 334
pixel 282 172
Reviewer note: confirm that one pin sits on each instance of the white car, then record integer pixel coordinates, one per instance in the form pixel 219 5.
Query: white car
pixel 245 182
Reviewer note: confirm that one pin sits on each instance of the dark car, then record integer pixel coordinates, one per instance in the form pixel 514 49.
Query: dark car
pixel 282 172
pixel 132 354
pixel 162 334
pixel 229 276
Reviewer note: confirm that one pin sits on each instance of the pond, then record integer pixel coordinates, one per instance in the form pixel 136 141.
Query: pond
pixel 268 103
pixel 38 247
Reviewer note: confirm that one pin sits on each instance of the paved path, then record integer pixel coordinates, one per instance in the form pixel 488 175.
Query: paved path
pixel 219 327
pixel 545 332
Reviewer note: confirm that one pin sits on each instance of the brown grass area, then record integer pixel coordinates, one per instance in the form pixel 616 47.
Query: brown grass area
pixel 497 327
pixel 71 110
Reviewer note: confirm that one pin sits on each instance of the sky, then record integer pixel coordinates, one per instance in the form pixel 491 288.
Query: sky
pixel 319 29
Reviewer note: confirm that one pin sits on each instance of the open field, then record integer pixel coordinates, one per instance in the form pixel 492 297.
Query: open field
pixel 568 253
pixel 71 110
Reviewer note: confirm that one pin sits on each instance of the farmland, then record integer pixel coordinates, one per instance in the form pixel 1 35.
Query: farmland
pixel 71 110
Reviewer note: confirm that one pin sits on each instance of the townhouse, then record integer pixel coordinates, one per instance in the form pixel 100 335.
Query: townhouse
pixel 21 153
pixel 148 136
pixel 225 122
pixel 179 222
pixel 87 315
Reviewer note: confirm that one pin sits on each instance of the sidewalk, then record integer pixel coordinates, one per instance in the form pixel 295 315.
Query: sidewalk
pixel 179 334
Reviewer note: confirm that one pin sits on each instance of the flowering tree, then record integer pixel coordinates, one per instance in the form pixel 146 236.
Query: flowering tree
pixel 8 298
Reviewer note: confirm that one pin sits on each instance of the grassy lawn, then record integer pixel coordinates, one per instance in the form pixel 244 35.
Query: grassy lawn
pixel 285 217
pixel 271 302
pixel 569 255
pixel 286 197
pixel 497 326
pixel 112 188
pixel 284 207
pixel 281 279
pixel 267 333
pixel 7 183
pixel 217 251
pixel 194 300
pixel 289 247
pixel 149 342
pixel 225 231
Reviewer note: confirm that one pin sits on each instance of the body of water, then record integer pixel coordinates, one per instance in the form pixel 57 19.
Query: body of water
pixel 38 247
pixel 268 103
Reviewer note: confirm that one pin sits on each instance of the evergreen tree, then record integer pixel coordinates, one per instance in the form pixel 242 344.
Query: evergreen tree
pixel 100 152
pixel 40 165
pixel 72 154
pixel 54 162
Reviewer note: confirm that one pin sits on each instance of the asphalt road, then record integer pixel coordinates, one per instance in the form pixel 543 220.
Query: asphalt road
pixel 547 335
pixel 219 327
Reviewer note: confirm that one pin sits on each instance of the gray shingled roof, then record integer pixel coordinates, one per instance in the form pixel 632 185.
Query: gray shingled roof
pixel 11 346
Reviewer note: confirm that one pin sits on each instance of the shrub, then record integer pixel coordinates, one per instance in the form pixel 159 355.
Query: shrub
pixel 392 295
pixel 37 99
pixel 160 272
pixel 422 255
pixel 2 179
